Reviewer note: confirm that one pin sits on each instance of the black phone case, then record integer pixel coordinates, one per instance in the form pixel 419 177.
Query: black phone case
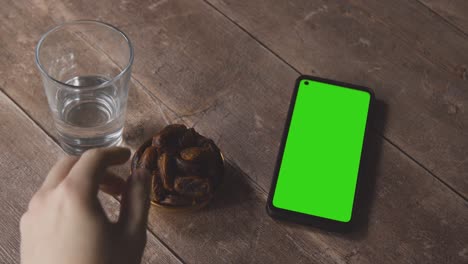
pixel 323 223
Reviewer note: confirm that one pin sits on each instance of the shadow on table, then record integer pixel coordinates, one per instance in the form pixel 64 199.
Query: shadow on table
pixel 367 177
pixel 234 190
pixel 135 134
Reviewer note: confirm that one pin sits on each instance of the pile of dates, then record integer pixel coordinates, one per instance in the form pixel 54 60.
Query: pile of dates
pixel 186 167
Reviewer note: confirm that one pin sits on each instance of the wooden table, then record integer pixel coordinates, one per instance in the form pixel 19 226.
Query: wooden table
pixel 227 68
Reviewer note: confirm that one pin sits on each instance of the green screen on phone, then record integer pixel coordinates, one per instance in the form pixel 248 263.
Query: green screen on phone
pixel 320 164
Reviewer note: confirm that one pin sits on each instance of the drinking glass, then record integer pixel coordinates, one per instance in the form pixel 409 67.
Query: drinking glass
pixel 85 68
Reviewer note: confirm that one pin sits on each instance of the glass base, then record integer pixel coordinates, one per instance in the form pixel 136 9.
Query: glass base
pixel 78 149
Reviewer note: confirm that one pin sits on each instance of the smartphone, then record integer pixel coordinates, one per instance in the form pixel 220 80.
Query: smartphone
pixel 319 162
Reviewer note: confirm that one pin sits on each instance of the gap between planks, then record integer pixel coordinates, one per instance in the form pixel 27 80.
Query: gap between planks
pixel 157 99
pixel 249 178
pixel 178 117
pixel 58 144
pixel 458 29
pixel 262 193
pixel 376 131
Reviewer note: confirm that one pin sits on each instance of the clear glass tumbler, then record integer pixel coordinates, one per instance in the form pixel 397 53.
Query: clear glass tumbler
pixel 85 68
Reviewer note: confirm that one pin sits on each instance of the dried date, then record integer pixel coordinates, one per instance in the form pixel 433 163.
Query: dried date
pixel 195 187
pixel 168 138
pixel 149 158
pixel 166 171
pixel 186 167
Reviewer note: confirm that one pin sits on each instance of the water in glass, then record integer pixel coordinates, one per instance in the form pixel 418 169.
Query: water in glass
pixel 89 118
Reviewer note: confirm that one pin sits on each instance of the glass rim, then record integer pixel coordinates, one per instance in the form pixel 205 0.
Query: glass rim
pixel 76 22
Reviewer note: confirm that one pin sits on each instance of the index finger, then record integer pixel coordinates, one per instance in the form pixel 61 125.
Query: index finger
pixel 58 172
pixel 88 171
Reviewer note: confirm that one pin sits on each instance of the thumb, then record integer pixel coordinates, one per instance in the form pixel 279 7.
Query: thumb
pixel 135 203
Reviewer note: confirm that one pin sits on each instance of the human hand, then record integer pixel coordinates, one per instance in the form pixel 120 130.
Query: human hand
pixel 65 222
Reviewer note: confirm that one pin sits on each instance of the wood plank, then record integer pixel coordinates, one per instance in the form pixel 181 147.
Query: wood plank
pixel 413 219
pixel 414 60
pixel 220 112
pixel 217 55
pixel 145 116
pixel 455 11
pixel 19 77
pixel 22 142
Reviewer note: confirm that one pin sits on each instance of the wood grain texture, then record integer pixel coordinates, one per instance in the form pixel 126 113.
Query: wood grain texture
pixel 217 78
pixel 415 62
pixel 22 172
pixel 409 221
pixel 145 117
pixel 413 219
pixel 20 79
pixel 455 11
